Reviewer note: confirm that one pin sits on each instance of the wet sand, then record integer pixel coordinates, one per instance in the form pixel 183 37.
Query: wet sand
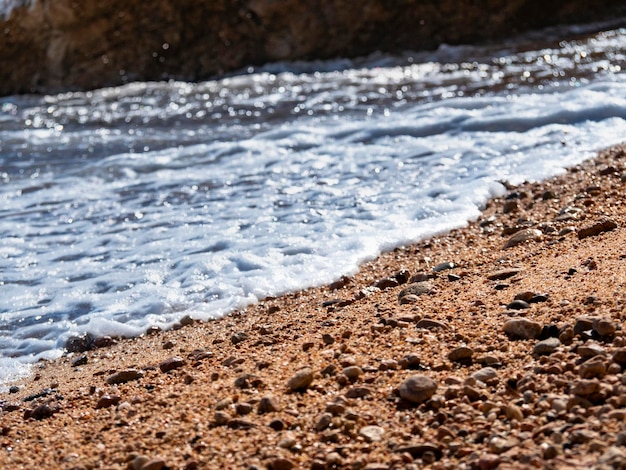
pixel 499 345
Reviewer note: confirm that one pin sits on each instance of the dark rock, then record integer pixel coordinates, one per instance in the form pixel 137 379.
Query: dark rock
pixel 583 324
pixel 79 361
pixel 546 347
pixel 103 342
pixel 402 276
pixel 410 361
pixel 246 381
pixel 418 450
pixel 300 380
pixel 417 388
pixel 549 331
pixel 277 424
pixel 281 464
pixel 461 354
pixel 14 389
pixel 41 412
pixel 358 392
pixel 268 404
pixel 171 364
pixel 9 407
pixel 518 305
pixel 239 337
pixel 602 225
pixel 430 324
pixel 619 356
pixel 106 401
pixel 503 274
pixel 80 343
pixel 386 283
pixel 443 267
pixel 240 424
pixel 44 393
pixel 124 376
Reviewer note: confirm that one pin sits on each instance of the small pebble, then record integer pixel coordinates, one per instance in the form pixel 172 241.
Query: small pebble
pixel 461 354
pixel 124 376
pixel 268 404
pixel 522 328
pixel 417 388
pixel 372 433
pixel 171 364
pixel 523 236
pixel 604 224
pixel 518 305
pixel 546 347
pixel 301 380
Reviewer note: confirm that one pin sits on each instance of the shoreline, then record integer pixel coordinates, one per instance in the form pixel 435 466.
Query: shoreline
pixel 318 378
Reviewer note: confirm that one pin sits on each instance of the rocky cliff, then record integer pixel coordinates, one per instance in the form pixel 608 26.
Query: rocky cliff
pixel 55 45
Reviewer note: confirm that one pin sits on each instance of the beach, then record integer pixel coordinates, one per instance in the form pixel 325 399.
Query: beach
pixel 498 345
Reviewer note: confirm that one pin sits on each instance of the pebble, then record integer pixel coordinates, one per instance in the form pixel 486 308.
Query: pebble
pixel 106 401
pixel 417 288
pixel 514 413
pixel 358 392
pixel 583 324
pixel 239 337
pixel 585 387
pixel 301 380
pixel 443 267
pixel 281 464
pixel 417 388
pixel 323 422
pixel 486 374
pixel 594 367
pixel 171 364
pixel 40 412
pixel 461 354
pixel 277 425
pixel 604 327
pixel 430 324
pixel 546 347
pixel 80 360
pixel 268 404
pixel 419 449
pixel 503 274
pixel 410 361
pixel 124 376
pixel 619 356
pixel 518 305
pixel 522 328
pixel 243 408
pixel 352 372
pixel 221 418
pixel 153 464
pixel 523 236
pixel 604 224
pixel 372 433
pixel 498 445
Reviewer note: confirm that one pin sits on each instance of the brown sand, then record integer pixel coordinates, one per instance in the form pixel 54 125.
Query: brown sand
pixel 226 403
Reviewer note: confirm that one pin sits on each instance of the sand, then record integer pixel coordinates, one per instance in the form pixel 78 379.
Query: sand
pixel 356 375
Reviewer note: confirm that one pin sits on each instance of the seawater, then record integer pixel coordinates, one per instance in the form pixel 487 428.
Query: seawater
pixel 129 207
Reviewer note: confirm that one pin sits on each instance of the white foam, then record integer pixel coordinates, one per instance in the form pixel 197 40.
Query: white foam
pixel 198 199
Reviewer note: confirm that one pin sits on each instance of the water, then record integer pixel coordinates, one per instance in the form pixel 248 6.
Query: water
pixel 133 206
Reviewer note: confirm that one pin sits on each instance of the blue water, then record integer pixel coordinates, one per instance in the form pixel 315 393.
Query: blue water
pixel 134 206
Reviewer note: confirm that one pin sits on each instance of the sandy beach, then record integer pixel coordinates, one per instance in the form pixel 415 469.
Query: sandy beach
pixel 499 345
